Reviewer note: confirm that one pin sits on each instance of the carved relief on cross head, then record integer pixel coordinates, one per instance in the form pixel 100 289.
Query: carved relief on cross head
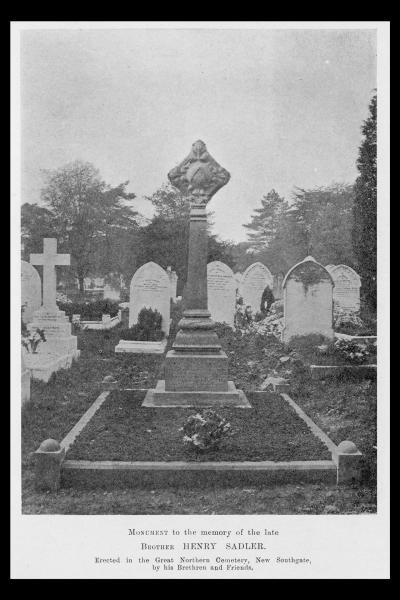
pixel 199 176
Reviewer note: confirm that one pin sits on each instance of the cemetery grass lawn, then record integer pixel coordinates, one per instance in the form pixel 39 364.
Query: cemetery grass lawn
pixel 344 409
pixel 122 430
pixel 286 499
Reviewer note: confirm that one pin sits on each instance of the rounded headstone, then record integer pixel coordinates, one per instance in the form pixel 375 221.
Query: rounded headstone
pixel 308 300
pixel 347 447
pixel 31 291
pixel 253 283
pixel 150 288
pixel 50 445
pixel 346 291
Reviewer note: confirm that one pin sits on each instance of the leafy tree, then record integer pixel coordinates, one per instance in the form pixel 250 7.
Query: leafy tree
pixel 89 215
pixel 169 203
pixel 265 220
pixel 317 222
pixel 324 217
pixel 365 207
pixel 165 240
pixel 37 223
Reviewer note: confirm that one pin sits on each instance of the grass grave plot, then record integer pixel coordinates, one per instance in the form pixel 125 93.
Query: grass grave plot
pixel 345 410
pixel 122 430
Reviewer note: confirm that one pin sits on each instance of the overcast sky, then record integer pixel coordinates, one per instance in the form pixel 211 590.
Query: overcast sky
pixel 277 108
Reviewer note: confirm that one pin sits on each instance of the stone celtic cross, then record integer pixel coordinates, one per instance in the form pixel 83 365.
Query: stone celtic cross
pixel 196 368
pixel 198 177
pixel 49 260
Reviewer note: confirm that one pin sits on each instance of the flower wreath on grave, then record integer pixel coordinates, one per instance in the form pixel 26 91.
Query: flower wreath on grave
pixel 206 430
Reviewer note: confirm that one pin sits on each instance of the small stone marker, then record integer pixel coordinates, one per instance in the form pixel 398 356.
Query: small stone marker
pixel 109 383
pixel 346 291
pixel 254 281
pixel 31 291
pixel 49 458
pixel 308 300
pixel 221 292
pixel 349 462
pixel 150 288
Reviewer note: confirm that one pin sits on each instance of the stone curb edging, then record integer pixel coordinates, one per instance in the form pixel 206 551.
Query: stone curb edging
pixel 322 371
pixel 69 439
pixel 140 347
pixel 194 475
pixel 317 431
pixel 344 466
pixel 347 460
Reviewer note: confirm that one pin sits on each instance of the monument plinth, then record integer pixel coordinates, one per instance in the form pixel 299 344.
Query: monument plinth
pixel 196 369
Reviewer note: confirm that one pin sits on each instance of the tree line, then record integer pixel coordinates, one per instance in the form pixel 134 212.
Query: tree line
pixel 101 229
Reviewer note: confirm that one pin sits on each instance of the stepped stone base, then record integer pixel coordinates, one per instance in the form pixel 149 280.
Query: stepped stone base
pixel 160 397
pixel 42 366
pixel 57 329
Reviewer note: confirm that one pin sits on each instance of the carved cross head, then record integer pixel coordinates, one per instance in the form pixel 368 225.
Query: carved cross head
pixel 199 176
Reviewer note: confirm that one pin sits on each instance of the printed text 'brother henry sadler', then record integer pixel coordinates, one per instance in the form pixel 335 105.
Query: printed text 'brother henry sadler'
pixel 236 545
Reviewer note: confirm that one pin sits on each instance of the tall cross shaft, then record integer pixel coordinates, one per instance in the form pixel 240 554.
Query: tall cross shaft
pixel 199 177
pixel 49 260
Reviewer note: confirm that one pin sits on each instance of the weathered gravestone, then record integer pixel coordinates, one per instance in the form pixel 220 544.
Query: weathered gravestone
pixel 308 300
pixel 150 288
pixel 221 287
pixel 346 291
pixel 254 281
pixel 31 291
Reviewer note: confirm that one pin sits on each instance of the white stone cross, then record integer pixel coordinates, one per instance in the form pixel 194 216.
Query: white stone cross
pixel 49 260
